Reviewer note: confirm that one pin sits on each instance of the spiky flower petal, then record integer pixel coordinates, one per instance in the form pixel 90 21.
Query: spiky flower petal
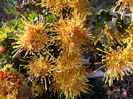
pixel 32 38
pixel 117 62
pixel 70 80
pixel 39 67
pixel 72 32
pixel 57 6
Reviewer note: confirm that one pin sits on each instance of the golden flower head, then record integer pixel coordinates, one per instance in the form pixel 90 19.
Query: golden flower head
pixel 82 7
pixel 72 31
pixel 117 61
pixel 32 38
pixel 39 67
pixel 10 83
pixel 69 80
pixel 57 6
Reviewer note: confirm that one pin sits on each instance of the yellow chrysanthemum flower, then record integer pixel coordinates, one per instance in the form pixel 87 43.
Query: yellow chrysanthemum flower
pixel 117 62
pixel 39 67
pixel 10 83
pixel 69 80
pixel 82 7
pixel 57 6
pixel 33 38
pixel 72 32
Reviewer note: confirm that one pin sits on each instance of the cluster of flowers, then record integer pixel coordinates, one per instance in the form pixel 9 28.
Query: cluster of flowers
pixel 118 60
pixel 64 72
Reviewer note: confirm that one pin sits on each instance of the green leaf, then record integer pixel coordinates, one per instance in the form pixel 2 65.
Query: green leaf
pixel 11 4
pixel 11 1
pixel 32 16
pixel 50 18
pixel 8 11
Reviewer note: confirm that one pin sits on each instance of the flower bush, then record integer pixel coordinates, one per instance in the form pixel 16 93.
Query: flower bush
pixel 42 48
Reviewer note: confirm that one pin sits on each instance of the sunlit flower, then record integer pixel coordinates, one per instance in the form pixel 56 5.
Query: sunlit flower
pixel 82 7
pixel 10 83
pixel 72 32
pixel 117 62
pixel 70 80
pixel 39 67
pixel 57 6
pixel 33 38
pixel 69 58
